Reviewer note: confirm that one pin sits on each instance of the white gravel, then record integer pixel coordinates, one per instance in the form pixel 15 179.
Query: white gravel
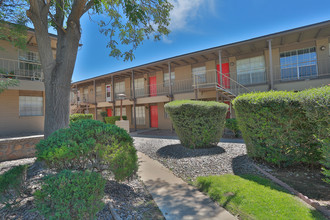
pixel 189 164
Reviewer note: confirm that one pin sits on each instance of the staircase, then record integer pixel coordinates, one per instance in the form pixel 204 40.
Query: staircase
pixel 229 88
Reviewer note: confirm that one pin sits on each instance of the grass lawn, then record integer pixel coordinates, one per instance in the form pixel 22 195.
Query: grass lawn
pixel 253 197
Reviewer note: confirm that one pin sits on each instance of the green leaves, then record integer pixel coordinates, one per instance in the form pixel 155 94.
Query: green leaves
pixel 90 145
pixel 277 127
pixel 198 124
pixel 5 83
pixel 71 195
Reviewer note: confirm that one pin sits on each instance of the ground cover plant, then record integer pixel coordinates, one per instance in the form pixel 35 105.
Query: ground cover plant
pixel 76 117
pixel 11 184
pixel 198 124
pixel 113 119
pixel 276 128
pixel 71 195
pixel 92 145
pixel 253 197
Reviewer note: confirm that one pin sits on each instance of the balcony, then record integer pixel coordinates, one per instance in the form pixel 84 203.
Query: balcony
pixel 22 70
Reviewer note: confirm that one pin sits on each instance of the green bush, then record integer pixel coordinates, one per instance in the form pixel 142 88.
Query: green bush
pixel 316 103
pixel 76 117
pixel 231 124
pixel 198 124
pixel 112 120
pixel 90 144
pixel 104 114
pixel 276 128
pixel 70 195
pixel 11 184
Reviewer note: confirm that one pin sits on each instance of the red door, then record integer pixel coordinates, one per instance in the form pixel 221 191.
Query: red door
pixel 109 112
pixel 154 116
pixel 152 86
pixel 225 75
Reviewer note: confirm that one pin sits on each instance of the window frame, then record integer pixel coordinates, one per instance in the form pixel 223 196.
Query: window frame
pixel 252 69
pixel 295 64
pixel 21 106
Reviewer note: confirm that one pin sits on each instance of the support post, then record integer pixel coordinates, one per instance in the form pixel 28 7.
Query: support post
pixel 134 101
pixel 270 64
pixel 113 96
pixel 170 80
pixel 95 104
pixel 220 67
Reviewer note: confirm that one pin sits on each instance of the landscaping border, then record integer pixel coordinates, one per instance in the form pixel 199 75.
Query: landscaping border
pixel 295 192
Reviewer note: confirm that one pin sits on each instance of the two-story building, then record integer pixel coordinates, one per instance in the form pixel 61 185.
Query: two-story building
pixel 22 106
pixel 290 60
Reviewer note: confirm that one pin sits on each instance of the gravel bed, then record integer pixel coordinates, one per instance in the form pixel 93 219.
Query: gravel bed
pixel 189 164
pixel 130 199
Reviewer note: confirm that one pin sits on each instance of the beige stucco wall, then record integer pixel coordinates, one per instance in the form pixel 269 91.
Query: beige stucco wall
pixel 10 121
pixel 163 123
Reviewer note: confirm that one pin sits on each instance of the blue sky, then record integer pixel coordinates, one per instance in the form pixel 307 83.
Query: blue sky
pixel 197 25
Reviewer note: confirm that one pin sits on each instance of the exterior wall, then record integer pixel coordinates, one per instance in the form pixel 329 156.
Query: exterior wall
pixel 10 121
pixel 17 148
pixel 163 123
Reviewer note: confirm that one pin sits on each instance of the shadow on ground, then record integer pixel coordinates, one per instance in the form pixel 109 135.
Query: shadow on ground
pixel 177 151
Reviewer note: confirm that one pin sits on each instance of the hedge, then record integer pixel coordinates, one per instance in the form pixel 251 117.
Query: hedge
pixel 112 119
pixel 198 124
pixel 277 128
pixel 316 103
pixel 90 145
pixel 76 117
pixel 231 124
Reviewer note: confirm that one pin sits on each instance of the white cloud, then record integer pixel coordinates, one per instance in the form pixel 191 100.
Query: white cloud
pixel 185 11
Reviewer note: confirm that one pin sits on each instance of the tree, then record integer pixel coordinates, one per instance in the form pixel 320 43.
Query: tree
pixel 128 22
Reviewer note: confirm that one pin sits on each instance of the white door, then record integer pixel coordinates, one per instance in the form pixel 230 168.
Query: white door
pixel 108 93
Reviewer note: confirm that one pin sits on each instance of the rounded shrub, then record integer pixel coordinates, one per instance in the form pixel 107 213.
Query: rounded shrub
pixel 90 144
pixel 76 117
pixel 276 128
pixel 198 124
pixel 71 195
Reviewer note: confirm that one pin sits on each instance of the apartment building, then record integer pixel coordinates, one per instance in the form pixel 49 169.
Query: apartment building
pixel 22 107
pixel 290 60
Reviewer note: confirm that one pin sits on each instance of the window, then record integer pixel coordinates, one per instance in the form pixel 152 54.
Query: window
pixel 31 106
pixel 199 74
pixel 118 111
pixel 85 95
pixel 167 78
pixel 140 115
pixel 139 87
pixel 29 64
pixel 251 70
pixel 108 93
pixel 119 87
pixel 298 64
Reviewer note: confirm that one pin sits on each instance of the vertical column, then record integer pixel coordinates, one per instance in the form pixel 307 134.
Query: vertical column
pixel 95 103
pixel 170 80
pixel 270 64
pixel 113 96
pixel 220 67
pixel 134 101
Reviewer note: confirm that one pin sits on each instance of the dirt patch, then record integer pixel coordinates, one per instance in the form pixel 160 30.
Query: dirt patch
pixel 306 181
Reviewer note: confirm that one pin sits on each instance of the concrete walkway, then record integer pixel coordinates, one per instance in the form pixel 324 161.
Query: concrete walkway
pixel 174 197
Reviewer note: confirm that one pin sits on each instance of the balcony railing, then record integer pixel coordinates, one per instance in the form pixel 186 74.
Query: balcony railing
pixel 19 69
pixel 212 79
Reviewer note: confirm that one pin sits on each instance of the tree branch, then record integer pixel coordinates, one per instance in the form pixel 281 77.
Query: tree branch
pixel 88 6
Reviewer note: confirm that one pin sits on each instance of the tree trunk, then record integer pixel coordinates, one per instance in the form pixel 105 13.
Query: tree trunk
pixel 57 108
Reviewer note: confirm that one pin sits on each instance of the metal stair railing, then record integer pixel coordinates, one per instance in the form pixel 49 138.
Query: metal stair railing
pixel 229 85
